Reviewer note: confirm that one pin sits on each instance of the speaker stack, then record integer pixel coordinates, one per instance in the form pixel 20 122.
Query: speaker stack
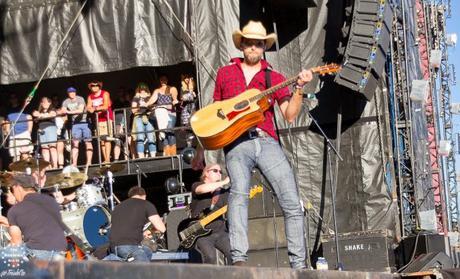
pixel 368 43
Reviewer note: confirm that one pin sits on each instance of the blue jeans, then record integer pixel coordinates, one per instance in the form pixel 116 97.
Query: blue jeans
pixel 266 154
pixel 138 253
pixel 45 255
pixel 144 129
pixel 170 137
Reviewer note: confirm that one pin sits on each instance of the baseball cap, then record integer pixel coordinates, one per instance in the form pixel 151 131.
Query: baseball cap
pixel 71 89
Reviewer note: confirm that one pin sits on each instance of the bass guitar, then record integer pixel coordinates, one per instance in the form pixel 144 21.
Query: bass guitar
pixel 221 122
pixel 197 228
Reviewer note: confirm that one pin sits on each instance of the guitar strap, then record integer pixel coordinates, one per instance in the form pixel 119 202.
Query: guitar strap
pixel 268 84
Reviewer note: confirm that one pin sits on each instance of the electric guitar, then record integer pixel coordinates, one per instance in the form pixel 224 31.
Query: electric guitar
pixel 196 228
pixel 221 122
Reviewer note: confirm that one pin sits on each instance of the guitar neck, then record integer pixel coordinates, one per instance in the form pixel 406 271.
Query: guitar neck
pixel 211 217
pixel 285 83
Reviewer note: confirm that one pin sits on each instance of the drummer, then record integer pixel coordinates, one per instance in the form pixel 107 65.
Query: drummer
pixel 35 220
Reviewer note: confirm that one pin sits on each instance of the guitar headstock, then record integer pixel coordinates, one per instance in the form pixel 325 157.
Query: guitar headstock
pixel 328 69
pixel 255 190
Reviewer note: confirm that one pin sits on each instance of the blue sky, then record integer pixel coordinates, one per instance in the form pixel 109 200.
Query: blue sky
pixel 453 26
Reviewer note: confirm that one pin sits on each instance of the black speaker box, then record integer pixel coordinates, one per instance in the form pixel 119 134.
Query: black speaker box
pixel 267 258
pixel 262 233
pixel 426 243
pixel 362 251
pixel 368 43
pixel 173 220
pixel 424 262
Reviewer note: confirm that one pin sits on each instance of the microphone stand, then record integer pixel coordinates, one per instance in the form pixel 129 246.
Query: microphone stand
pixel 37 159
pixel 333 182
pixel 110 183
pixel 139 172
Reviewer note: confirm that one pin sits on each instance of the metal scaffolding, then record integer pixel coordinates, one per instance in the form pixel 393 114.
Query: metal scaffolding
pixel 443 10
pixel 401 114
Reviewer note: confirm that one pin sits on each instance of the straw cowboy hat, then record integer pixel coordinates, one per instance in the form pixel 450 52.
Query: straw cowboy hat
pixel 95 82
pixel 254 30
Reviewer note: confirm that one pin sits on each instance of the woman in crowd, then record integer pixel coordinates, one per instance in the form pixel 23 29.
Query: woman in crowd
pixel 47 130
pixel 165 98
pixel 188 97
pixel 142 127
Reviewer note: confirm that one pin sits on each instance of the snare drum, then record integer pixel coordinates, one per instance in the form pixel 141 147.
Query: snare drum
pixel 91 225
pixel 89 195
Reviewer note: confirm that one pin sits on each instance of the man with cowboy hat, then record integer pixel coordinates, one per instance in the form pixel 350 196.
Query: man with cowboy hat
pixel 259 146
pixel 37 217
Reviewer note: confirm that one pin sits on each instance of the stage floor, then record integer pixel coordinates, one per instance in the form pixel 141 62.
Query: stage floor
pixel 99 269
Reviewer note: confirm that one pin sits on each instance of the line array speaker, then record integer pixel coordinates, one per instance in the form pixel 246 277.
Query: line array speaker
pixel 368 43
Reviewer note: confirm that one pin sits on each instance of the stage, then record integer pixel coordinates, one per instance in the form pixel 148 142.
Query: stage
pixel 93 269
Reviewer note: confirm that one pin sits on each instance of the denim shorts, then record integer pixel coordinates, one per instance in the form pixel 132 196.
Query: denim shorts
pixel 81 131
pixel 48 135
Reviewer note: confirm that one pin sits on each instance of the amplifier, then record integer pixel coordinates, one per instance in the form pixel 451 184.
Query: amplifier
pixel 363 251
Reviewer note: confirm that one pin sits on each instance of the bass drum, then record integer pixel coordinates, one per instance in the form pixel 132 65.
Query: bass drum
pixel 90 225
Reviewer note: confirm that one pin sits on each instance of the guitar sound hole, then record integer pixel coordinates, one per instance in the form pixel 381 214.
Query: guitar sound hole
pixel 241 105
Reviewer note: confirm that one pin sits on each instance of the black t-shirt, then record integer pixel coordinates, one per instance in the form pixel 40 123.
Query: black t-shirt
pixel 128 220
pixel 45 123
pixel 141 100
pixel 37 216
pixel 201 204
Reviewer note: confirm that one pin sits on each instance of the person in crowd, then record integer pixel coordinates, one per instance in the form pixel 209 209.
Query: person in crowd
pixel 35 220
pixel 61 130
pixel 75 108
pixel 258 147
pixel 20 139
pixel 47 130
pixel 188 97
pixel 165 98
pixel 209 195
pixel 121 105
pixel 128 220
pixel 142 128
pixel 99 103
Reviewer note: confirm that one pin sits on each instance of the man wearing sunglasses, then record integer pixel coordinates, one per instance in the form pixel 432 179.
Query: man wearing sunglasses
pixel 259 146
pixel 208 195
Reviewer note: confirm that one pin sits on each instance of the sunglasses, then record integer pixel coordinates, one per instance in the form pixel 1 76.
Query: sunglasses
pixel 215 171
pixel 256 43
pixel 94 85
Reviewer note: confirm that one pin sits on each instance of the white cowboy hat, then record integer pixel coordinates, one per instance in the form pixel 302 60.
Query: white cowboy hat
pixel 254 30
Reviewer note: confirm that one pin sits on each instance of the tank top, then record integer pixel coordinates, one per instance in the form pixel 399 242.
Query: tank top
pixel 99 101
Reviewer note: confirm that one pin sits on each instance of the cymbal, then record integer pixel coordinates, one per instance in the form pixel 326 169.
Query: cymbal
pixel 65 180
pixel 113 168
pixel 28 163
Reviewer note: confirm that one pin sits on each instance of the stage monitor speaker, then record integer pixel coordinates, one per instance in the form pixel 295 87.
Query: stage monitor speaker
pixel 362 251
pixel 368 43
pixel 426 243
pixel 428 261
pixel 172 222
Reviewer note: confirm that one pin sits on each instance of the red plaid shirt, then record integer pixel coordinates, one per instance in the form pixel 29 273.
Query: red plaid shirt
pixel 230 82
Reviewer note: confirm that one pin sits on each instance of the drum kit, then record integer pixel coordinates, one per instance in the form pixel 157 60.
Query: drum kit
pixel 87 215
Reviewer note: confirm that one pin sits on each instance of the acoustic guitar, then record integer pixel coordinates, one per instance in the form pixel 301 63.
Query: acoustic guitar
pixel 196 228
pixel 221 122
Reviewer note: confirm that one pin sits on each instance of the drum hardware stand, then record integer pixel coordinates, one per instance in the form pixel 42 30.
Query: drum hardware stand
pixel 37 158
pixel 333 182
pixel 110 183
pixel 139 172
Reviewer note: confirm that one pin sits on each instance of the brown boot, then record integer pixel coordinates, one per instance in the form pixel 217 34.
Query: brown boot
pixel 166 150
pixel 172 150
